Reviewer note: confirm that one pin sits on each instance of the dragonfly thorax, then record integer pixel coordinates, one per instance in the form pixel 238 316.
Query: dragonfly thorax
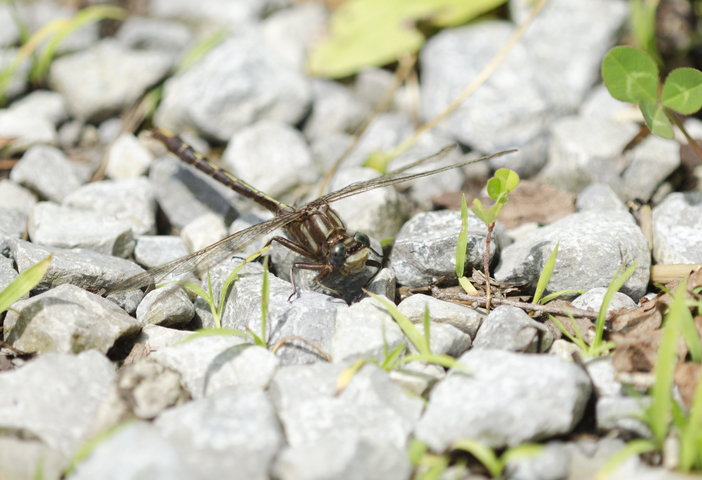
pixel 350 255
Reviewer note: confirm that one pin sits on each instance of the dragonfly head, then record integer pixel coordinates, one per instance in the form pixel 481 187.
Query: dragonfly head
pixel 350 256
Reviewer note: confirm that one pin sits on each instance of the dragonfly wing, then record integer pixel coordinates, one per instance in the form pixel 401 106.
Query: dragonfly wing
pixel 395 177
pixel 201 260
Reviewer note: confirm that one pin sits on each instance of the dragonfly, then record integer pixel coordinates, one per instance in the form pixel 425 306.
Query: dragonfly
pixel 315 231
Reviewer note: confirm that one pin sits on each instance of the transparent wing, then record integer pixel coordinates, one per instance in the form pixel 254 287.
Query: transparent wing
pixel 395 177
pixel 205 258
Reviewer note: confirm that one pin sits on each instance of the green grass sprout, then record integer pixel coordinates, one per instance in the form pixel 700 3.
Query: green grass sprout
pixel 24 282
pixel 545 276
pixel 487 456
pixel 461 247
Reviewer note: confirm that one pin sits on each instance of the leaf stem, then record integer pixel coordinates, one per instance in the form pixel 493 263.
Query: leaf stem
pixel 486 262
pixel 690 141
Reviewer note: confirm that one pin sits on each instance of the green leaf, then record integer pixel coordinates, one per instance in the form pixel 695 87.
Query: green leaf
pixel 391 359
pixel 495 187
pixel 509 178
pixel 487 216
pixel 545 276
pixel 659 412
pixel 427 325
pixel 367 32
pixel 416 451
pixel 682 91
pixel 691 437
pixel 557 294
pixel 24 282
pixel 420 343
pixel 635 447
pixel 446 361
pixel 630 75
pixel 613 288
pixel 213 332
pixel 656 120
pixel 347 375
pixel 484 454
pixel 265 293
pixel 522 451
pixel 462 244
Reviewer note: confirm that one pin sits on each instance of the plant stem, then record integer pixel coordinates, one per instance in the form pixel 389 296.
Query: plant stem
pixel 690 141
pixel 530 307
pixel 486 261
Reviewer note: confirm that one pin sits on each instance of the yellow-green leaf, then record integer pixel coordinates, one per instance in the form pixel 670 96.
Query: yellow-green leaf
pixel 371 32
pixel 656 120
pixel 682 90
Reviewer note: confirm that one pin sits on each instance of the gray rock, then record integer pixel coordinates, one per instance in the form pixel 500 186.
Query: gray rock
pixel 552 463
pixel 67 319
pixel 291 33
pixel 417 377
pixel 106 78
pixel 585 150
pixel 599 197
pixel 8 274
pixel 384 132
pixel 16 196
pixel 127 158
pixel 592 247
pixel 677 229
pixel 365 330
pixel 372 83
pixel 383 283
pixel 592 299
pixel 63 227
pixel 565 349
pixel 378 213
pixel 509 328
pixel 310 315
pixel 603 377
pixel 600 103
pixel 270 155
pixel 83 268
pixel 13 222
pixel 567 43
pixel 22 459
pixel 215 13
pixel 154 250
pixel 212 363
pixel 422 190
pixel 18 83
pixel 346 458
pixel 43 104
pixel 335 110
pixel 236 83
pixel 10 32
pixel 203 232
pixel 185 193
pixel 371 410
pixel 109 130
pixel 142 33
pixel 153 338
pixel 425 248
pixel 652 161
pixel 326 151
pixel 142 390
pixel 622 414
pixel 463 318
pixel 54 399
pixel 232 434
pixel 130 201
pixel 131 451
pixel 523 97
pixel 489 404
pixel 47 172
pixel 25 130
pixel 444 339
pixel 168 306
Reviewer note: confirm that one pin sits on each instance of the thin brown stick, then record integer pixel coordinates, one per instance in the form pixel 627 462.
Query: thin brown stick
pixel 290 338
pixel 486 262
pixel 530 307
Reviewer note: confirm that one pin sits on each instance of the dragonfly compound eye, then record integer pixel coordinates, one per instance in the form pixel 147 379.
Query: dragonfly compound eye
pixel 337 255
pixel 362 238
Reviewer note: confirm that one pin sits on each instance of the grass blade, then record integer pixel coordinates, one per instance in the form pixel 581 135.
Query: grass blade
pixel 691 437
pixel 635 447
pixel 484 454
pixel 24 282
pixel 265 294
pixel 462 240
pixel 613 288
pixel 545 276
pixel 420 343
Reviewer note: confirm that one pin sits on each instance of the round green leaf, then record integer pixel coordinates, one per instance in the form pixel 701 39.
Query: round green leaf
pixel 682 90
pixel 656 120
pixel 495 187
pixel 510 177
pixel 630 75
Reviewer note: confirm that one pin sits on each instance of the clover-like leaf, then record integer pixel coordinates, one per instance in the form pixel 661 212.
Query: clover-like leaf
pixel 682 91
pixel 630 75
pixel 510 178
pixel 656 120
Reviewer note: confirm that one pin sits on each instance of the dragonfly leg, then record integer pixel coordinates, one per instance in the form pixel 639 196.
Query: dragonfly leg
pixel 323 269
pixel 290 245
pixel 377 265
